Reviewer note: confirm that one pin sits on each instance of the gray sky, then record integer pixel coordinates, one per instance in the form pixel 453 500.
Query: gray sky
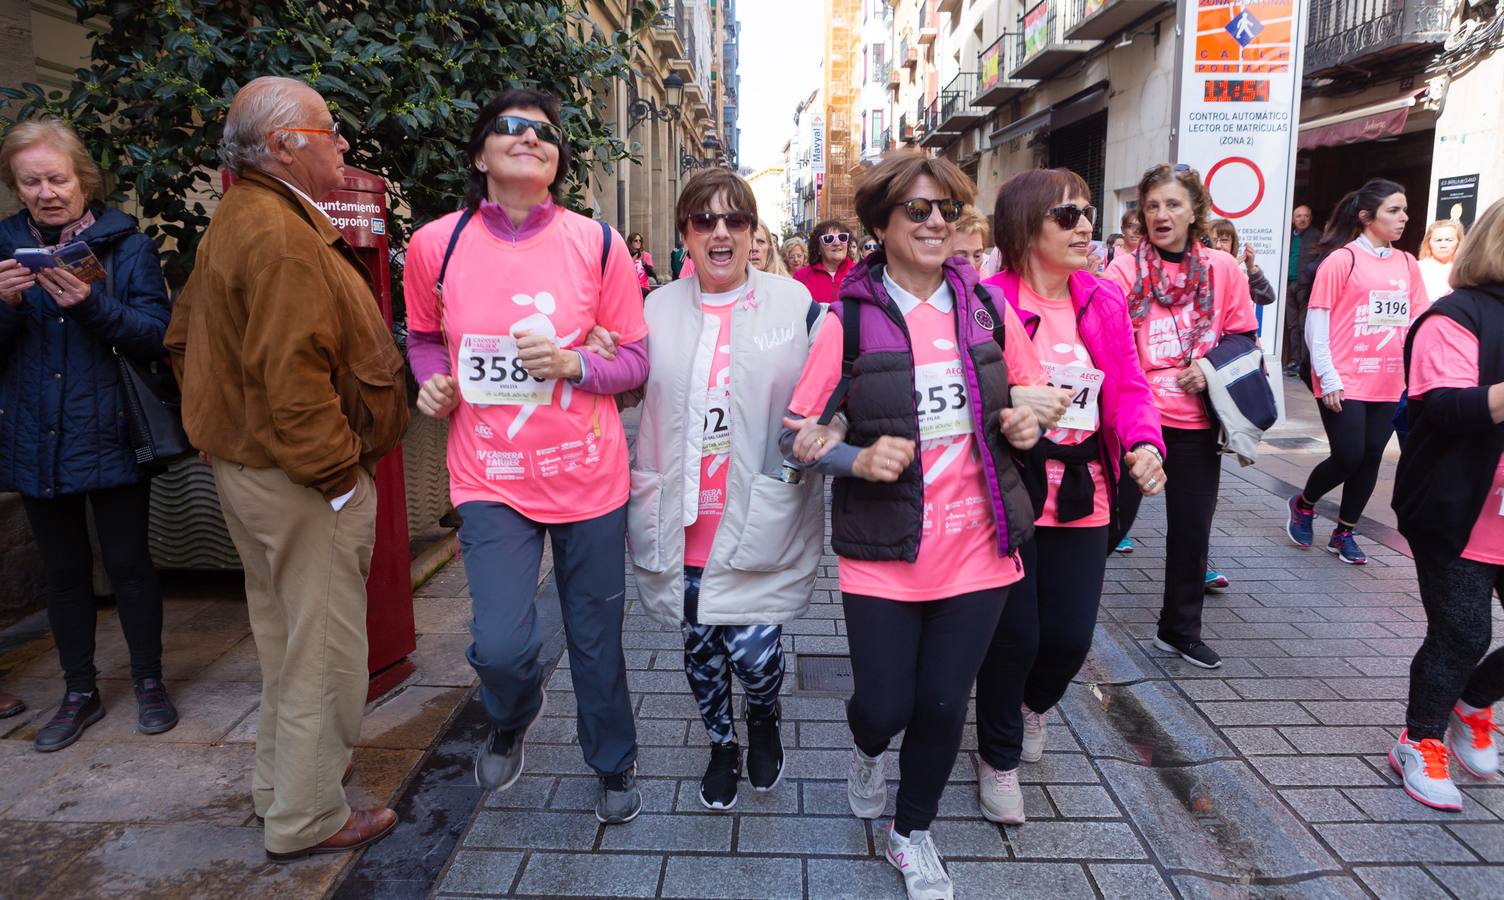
pixel 780 59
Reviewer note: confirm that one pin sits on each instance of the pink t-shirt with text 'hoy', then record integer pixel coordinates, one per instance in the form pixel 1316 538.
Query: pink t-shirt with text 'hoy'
pixel 715 447
pixel 958 545
pixel 1372 303
pixel 1162 334
pixel 1057 340
pixel 544 448
pixel 1445 355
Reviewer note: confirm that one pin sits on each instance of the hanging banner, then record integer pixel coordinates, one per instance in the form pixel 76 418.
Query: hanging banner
pixel 817 144
pixel 1238 114
pixel 1035 22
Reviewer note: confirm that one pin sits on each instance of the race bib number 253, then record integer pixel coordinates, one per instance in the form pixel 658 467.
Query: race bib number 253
pixel 490 374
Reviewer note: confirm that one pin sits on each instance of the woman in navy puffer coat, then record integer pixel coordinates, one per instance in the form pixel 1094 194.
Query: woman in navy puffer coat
pixel 63 431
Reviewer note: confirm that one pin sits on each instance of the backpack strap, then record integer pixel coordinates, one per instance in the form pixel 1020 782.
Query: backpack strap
pixel 438 286
pixel 605 246
pixel 851 348
pixel 997 321
pixel 811 317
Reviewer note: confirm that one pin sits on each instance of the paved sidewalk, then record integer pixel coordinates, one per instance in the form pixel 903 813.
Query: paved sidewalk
pixel 1265 778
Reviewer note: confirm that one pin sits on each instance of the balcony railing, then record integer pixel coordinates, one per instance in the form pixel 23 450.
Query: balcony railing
pixel 1042 46
pixel 908 52
pixel 1101 19
pixel 905 129
pixel 995 84
pixel 882 73
pixel 1358 32
pixel 884 141
pixel 956 102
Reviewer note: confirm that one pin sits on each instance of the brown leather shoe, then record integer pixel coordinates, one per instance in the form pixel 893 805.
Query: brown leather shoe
pixel 11 705
pixel 365 826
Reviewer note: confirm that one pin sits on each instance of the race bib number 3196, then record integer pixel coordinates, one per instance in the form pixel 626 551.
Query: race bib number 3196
pixel 1387 308
pixel 490 374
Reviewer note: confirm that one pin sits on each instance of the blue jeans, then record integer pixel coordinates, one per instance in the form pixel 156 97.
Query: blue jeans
pixel 502 552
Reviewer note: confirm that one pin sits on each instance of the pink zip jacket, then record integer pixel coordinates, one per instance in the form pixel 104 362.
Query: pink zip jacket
pixel 1129 417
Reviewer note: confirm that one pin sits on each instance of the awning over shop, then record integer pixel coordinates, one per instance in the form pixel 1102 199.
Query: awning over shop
pixel 1365 123
pixel 1067 112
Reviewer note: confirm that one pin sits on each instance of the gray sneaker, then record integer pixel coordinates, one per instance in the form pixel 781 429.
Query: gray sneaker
pixel 620 801
pixel 866 786
pixel 498 760
pixel 999 795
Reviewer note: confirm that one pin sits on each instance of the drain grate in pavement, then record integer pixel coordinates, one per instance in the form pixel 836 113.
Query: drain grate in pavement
pixel 1293 443
pixel 824 674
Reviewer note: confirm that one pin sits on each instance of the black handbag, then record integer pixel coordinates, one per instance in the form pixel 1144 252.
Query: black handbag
pixel 153 404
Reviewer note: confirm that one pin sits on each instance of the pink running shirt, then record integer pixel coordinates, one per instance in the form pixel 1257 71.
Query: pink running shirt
pixel 715 448
pixel 1058 343
pixel 1162 333
pixel 1360 289
pixel 549 451
pixel 958 546
pixel 1445 355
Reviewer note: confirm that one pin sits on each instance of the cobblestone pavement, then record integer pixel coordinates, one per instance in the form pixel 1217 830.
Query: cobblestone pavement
pixel 1265 778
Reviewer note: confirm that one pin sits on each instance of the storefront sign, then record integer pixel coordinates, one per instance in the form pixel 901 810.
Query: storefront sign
pixel 1457 198
pixel 1238 108
pixel 1035 22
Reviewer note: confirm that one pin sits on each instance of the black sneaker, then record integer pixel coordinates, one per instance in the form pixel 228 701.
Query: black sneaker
pixel 78 711
pixel 718 787
pixel 154 710
pixel 499 758
pixel 764 754
pixel 1193 652
pixel 620 801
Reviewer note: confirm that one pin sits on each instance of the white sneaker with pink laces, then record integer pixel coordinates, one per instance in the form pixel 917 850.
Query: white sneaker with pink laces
pixel 999 795
pixel 1033 750
pixel 1470 737
pixel 1423 766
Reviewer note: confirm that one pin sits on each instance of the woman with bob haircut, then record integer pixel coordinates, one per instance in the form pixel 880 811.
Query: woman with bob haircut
pixel 64 446
pixel 501 298
pixel 794 254
pixel 1365 295
pixel 1079 326
pixel 1446 494
pixel 829 260
pixel 725 546
pixel 930 510
pixel 1183 298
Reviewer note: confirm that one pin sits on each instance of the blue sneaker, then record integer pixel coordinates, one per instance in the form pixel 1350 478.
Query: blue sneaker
pixel 1216 581
pixel 1299 526
pixel 1346 547
pixel 1125 545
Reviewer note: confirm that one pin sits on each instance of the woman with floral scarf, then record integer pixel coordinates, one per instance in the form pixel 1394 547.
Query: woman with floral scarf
pixel 1182 298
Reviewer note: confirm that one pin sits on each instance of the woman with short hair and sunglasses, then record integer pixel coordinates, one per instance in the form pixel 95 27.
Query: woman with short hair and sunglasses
pixel 929 508
pixel 725 545
pixel 829 260
pixel 869 246
pixel 1102 412
pixel 501 298
pixel 795 254
pixel 1183 298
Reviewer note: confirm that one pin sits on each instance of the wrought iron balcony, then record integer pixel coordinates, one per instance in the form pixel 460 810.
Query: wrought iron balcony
pixel 1098 20
pixel 908 53
pixel 995 86
pixel 1043 48
pixel 1359 33
pixel 958 109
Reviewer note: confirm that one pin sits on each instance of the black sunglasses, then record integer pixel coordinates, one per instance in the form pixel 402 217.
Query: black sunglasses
pixel 1066 215
pixel 517 126
pixel 835 237
pixel 736 221
pixel 919 209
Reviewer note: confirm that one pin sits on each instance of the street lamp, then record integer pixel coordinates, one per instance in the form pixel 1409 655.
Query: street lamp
pixel 711 146
pixel 641 108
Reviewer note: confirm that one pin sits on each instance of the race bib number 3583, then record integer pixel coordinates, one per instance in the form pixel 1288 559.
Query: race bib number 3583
pixel 490 374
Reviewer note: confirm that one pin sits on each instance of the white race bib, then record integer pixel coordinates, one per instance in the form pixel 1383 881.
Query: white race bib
pixel 1386 308
pixel 1085 385
pixel 717 437
pixel 940 399
pixel 492 375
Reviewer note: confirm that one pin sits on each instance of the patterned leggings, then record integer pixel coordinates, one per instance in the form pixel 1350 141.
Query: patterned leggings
pixel 713 652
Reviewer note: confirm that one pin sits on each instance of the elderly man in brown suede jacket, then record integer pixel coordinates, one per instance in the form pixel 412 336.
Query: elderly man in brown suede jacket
pixel 293 387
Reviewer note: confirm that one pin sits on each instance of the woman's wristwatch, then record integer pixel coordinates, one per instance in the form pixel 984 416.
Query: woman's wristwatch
pixel 1151 448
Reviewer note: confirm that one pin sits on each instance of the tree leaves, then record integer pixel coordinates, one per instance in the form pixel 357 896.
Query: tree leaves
pixel 406 76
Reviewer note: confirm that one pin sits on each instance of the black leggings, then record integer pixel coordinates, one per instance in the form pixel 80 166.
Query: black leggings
pixel 912 667
pixel 1358 435
pixel 1042 636
pixel 120 520
pixel 1458 595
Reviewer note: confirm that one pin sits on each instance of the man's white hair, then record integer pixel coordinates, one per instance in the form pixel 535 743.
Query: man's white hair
pixel 263 107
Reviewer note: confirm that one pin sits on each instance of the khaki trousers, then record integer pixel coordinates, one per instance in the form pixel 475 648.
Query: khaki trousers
pixel 305 573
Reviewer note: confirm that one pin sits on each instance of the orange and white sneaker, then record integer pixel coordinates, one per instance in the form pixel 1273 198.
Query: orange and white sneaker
pixel 1470 737
pixel 1423 766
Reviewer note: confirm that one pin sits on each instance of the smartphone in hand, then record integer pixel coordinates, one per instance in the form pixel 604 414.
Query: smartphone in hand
pixel 35 258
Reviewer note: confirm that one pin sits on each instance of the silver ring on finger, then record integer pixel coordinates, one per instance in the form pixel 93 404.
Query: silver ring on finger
pixel 1151 483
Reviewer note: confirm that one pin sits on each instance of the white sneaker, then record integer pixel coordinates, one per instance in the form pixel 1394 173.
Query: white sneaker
pixel 1033 736
pixel 1423 766
pixel 923 873
pixel 866 786
pixel 1470 737
pixel 999 795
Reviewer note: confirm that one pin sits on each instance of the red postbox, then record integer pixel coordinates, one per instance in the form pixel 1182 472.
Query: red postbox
pixel 359 211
